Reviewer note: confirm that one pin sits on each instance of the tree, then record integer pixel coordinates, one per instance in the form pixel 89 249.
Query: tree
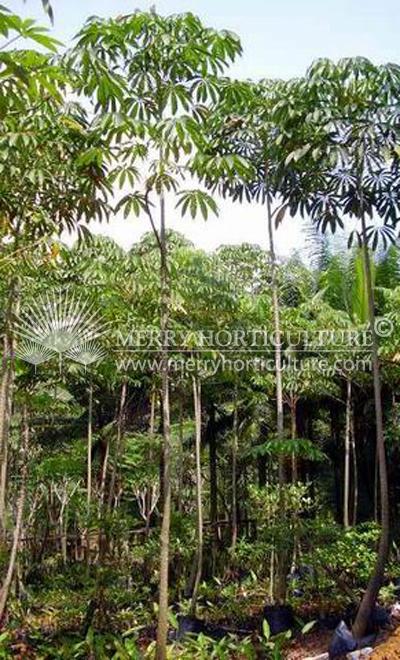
pixel 338 127
pixel 242 126
pixel 343 278
pixel 26 75
pixel 4 592
pixel 159 72
pixel 52 178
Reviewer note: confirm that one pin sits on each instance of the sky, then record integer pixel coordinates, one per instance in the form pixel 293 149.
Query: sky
pixel 280 40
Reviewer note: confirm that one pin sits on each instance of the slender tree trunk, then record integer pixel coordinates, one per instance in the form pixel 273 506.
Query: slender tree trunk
pixel 355 468
pixel 278 347
pixel 149 490
pixel 104 473
pixel 376 488
pixel 212 449
pixel 180 454
pixel 295 476
pixel 162 628
pixel 118 444
pixel 64 523
pixel 89 446
pixel 376 579
pixel 5 590
pixel 234 472
pixel 335 439
pixel 4 459
pixel 102 494
pixel 199 499
pixel 346 495
pixel 6 399
pixel 293 424
pixel 4 417
pixel 212 445
pixel 89 471
pixel 282 556
pixel 272 575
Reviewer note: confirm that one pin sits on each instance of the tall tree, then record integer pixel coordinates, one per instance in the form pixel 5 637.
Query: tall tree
pixel 339 129
pixel 160 73
pixel 242 126
pixel 51 180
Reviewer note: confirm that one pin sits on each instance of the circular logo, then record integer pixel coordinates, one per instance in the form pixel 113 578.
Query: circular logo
pixel 383 327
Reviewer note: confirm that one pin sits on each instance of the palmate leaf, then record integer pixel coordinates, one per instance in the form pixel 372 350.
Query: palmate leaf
pixel 134 203
pixel 180 48
pixel 195 201
pixel 231 170
pixel 161 182
pixel 345 111
pixel 329 221
pixel 37 35
pixel 26 76
pixel 375 236
pixel 12 25
pixel 183 131
pixel 388 236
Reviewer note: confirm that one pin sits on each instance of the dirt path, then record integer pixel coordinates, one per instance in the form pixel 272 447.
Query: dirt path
pixel 314 644
pixel 390 649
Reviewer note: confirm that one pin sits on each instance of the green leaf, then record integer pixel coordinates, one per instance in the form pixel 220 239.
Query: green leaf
pixel 307 627
pixel 280 215
pixel 266 629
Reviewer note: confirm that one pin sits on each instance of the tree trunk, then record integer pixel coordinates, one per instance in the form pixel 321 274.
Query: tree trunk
pixel 199 499
pixel 212 449
pixel 180 454
pixel 162 628
pixel 376 488
pixel 336 459
pixel 104 473
pixel 282 560
pixel 89 446
pixel 293 424
pixel 277 348
pixel 355 468
pixel 6 399
pixel 376 579
pixel 149 490
pixel 118 444
pixel 346 494
pixel 161 456
pixel 89 471
pixel 5 590
pixel 234 472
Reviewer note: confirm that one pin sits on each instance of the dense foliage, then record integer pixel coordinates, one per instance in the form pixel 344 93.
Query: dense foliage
pixel 187 437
